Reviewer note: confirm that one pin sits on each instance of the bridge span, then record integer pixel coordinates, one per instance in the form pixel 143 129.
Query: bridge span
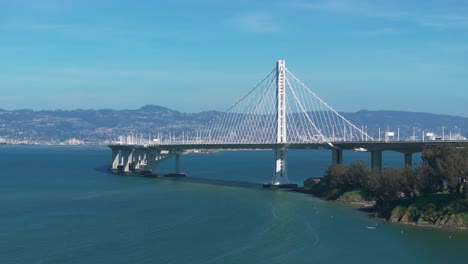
pixel 132 158
pixel 279 113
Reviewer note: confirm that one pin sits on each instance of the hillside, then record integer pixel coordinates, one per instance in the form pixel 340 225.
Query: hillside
pixel 98 126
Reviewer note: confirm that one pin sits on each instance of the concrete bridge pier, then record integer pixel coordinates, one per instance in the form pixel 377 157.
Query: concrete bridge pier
pixel 376 160
pixel 337 156
pixel 144 159
pixel 135 158
pixel 408 159
pixel 177 162
pixel 280 175
pixel 127 156
pixel 151 161
pixel 139 158
pixel 115 159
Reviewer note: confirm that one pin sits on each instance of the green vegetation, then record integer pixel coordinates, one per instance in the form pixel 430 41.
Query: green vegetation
pixel 359 198
pixel 435 194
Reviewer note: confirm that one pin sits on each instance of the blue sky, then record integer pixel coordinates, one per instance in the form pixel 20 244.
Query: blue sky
pixel 201 55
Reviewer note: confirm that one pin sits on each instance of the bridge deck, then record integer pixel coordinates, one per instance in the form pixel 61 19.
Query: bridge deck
pixel 401 146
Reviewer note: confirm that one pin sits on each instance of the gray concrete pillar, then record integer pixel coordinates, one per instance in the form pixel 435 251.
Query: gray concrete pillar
pixel 280 174
pixel 136 158
pixel 139 158
pixel 376 160
pixel 408 159
pixel 177 163
pixel 151 161
pixel 144 159
pixel 115 158
pixel 337 156
pixel 127 159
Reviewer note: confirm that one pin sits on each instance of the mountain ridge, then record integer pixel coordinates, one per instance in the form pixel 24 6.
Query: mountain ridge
pixel 152 107
pixel 104 125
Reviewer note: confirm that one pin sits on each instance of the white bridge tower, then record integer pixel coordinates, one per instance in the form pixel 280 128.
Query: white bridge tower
pixel 280 175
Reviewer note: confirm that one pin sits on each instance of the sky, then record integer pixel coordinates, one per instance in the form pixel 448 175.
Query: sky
pixel 204 55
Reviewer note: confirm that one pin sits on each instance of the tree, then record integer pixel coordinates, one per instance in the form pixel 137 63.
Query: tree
pixel 432 180
pixel 389 184
pixel 357 175
pixel 387 188
pixel 446 164
pixel 339 178
pixel 334 175
pixel 333 181
pixel 413 182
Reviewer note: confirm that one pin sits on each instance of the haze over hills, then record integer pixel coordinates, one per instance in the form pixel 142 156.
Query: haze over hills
pixel 105 125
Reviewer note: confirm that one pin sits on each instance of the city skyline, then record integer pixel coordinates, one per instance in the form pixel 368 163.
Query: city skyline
pixel 204 55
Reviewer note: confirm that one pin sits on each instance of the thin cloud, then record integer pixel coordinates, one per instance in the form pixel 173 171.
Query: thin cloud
pixel 21 24
pixel 357 8
pixel 442 21
pixel 105 71
pixel 428 18
pixel 43 6
pixel 38 26
pixel 259 22
pixel 86 79
pixel 93 32
pixel 451 47
pixel 376 32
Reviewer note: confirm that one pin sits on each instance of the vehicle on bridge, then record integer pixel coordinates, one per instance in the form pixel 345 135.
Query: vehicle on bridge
pixel 361 149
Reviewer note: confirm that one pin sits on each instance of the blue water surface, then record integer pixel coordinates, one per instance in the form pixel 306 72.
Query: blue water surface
pixel 59 205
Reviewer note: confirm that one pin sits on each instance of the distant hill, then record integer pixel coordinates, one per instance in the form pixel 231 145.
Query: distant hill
pixel 106 124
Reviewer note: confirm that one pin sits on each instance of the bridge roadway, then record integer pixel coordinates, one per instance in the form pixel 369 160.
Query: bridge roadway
pixel 127 158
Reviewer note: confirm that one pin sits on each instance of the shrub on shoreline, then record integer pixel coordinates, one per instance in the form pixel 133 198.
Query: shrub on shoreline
pixel 436 193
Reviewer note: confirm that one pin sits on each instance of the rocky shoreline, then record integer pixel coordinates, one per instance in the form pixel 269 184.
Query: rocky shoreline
pixel 439 219
pixel 404 215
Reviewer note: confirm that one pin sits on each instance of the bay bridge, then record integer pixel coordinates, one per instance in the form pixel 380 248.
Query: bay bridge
pixel 279 113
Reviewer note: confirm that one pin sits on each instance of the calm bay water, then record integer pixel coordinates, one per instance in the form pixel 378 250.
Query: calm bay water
pixel 58 205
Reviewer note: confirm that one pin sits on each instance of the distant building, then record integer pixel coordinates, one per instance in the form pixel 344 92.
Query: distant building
pixel 456 136
pixel 73 141
pixel 430 136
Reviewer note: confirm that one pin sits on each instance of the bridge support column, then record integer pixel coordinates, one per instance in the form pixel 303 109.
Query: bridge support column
pixel 142 158
pixel 115 158
pixel 337 156
pixel 408 159
pixel 177 162
pixel 137 158
pixel 376 160
pixel 151 161
pixel 280 176
pixel 127 156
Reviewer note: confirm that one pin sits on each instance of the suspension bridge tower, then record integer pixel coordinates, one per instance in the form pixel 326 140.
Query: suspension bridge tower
pixel 280 175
